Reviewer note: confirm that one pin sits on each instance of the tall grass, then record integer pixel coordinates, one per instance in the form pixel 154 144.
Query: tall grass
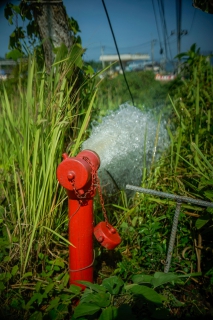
pixel 192 143
pixel 35 125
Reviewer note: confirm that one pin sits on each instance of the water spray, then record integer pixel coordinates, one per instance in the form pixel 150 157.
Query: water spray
pixel 126 143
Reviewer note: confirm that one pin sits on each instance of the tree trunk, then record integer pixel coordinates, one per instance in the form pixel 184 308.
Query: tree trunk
pixel 52 21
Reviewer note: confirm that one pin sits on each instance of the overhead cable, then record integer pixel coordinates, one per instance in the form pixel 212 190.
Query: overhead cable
pixel 157 27
pixel 161 11
pixel 113 35
pixel 179 20
pixel 165 32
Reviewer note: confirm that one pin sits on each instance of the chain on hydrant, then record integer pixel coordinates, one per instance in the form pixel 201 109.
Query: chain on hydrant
pixel 82 196
pixel 95 182
pixel 106 234
pixel 102 201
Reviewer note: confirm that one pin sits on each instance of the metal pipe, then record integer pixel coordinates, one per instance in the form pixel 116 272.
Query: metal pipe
pixel 179 200
pixel 172 237
pixel 170 196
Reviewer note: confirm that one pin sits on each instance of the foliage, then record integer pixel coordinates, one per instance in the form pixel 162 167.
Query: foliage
pixel 96 65
pixel 193 108
pixel 146 91
pixel 25 40
pixel 52 297
pixel 204 5
pixel 12 11
pixel 41 116
pixel 145 229
pixel 46 294
pixel 114 299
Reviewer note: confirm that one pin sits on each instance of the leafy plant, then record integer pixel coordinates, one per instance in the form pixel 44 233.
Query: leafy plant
pixel 45 295
pixel 114 299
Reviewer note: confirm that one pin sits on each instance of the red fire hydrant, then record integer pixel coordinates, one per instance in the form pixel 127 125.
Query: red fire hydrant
pixel 78 175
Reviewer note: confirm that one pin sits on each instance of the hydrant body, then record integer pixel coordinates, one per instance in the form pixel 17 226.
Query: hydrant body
pixel 78 175
pixel 81 257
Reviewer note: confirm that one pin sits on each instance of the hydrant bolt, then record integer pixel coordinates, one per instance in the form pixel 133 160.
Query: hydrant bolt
pixel 71 175
pixel 100 239
pixel 110 236
pixel 112 230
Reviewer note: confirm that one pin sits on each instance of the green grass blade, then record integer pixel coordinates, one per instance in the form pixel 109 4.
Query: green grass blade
pixel 84 125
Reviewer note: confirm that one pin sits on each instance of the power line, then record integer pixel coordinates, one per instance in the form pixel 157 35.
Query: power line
pixel 179 20
pixel 164 27
pixel 117 51
pixel 161 49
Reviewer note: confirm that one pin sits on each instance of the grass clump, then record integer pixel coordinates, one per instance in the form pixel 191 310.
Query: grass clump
pixel 147 92
pixel 37 122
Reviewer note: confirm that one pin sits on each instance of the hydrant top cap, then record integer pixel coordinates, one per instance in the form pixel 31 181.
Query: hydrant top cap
pixel 73 173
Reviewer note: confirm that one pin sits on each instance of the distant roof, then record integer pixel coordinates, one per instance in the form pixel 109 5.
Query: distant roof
pixel 124 57
pixel 7 63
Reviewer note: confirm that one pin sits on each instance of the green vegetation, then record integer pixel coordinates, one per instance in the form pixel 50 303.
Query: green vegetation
pixel 43 115
pixel 145 90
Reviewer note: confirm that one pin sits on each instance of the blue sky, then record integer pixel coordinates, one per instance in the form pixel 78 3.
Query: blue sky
pixel 134 26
